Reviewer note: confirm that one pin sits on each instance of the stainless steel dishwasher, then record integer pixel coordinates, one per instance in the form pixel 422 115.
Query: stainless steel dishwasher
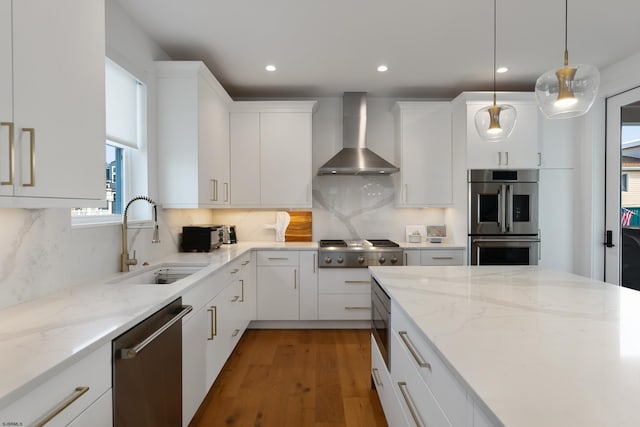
pixel 147 370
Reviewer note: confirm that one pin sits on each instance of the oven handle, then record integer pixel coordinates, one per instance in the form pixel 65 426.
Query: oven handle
pixel 502 194
pixel 536 240
pixel 509 209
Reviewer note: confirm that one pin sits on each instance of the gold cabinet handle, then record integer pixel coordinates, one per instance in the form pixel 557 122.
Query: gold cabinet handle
pixel 441 257
pixel 278 259
pixel 235 332
pixel 235 298
pixel 416 355
pixel 234 271
pixel 246 262
pixel 357 282
pixel 352 307
pixel 295 278
pixel 226 192
pixel 407 398
pixel 32 156
pixel 12 154
pixel 314 263
pixel 214 322
pixel 241 290
pixel 79 391
pixel 376 377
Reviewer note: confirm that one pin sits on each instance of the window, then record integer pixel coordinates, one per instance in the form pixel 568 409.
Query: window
pixel 125 148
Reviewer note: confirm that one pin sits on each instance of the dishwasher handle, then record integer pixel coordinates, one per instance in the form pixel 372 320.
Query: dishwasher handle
pixel 130 353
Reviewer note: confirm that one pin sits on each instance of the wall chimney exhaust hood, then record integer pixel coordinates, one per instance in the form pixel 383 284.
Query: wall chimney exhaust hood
pixel 355 158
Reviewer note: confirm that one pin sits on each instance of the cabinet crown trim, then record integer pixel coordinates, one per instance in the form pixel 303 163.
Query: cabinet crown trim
pixel 178 69
pixel 274 106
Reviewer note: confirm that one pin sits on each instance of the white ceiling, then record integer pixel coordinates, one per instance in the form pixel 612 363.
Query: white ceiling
pixel 433 48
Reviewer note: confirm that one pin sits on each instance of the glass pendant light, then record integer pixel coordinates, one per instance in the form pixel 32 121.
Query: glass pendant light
pixel 568 91
pixel 495 122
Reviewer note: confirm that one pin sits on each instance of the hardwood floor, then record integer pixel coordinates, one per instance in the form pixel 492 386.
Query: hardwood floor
pixel 295 378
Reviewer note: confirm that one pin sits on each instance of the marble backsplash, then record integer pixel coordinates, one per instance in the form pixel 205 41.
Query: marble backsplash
pixel 40 252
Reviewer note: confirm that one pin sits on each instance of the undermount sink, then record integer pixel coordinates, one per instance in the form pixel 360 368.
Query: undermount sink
pixel 163 274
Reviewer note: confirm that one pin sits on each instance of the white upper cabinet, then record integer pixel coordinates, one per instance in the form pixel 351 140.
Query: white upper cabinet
pixel 558 143
pixel 52 100
pixel 424 147
pixel 193 136
pixel 520 151
pixel 271 154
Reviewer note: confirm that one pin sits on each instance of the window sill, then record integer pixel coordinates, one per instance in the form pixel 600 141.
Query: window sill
pixel 104 221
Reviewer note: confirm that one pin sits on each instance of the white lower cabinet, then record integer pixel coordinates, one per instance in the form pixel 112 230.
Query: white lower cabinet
pixel 386 391
pixel 416 398
pixel 434 256
pixel 278 293
pixel 344 294
pixel 72 391
pixel 224 304
pixel 99 414
pixel 308 285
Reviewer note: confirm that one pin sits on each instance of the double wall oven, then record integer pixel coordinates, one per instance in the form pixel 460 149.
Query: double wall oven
pixel 503 217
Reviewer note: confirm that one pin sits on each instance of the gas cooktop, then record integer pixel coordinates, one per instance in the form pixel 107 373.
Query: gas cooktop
pixel 359 253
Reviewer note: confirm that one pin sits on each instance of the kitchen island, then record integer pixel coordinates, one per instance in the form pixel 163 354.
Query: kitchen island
pixel 531 347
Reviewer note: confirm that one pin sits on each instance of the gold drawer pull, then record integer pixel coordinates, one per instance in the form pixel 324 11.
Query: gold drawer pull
pixel 235 332
pixel 416 355
pixel 357 308
pixel 12 154
pixel 32 156
pixel 441 257
pixel 79 391
pixel 357 282
pixel 214 322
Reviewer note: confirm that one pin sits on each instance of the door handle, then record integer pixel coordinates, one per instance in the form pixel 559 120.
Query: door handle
pixel 608 242
pixel 130 353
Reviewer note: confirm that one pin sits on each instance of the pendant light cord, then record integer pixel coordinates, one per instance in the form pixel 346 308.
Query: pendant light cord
pixel 566 24
pixel 494 52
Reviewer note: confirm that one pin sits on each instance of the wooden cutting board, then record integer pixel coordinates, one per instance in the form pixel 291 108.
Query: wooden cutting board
pixel 299 229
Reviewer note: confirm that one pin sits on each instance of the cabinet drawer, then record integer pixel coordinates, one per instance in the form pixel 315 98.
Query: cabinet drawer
pixel 268 258
pixel 449 393
pixel 441 257
pixel 344 281
pixel 73 389
pixel 344 307
pixel 384 386
pixel 417 401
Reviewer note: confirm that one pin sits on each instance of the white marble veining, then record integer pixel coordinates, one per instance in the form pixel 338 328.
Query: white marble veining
pixel 538 347
pixel 41 337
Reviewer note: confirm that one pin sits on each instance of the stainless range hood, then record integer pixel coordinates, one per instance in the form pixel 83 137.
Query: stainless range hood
pixel 355 158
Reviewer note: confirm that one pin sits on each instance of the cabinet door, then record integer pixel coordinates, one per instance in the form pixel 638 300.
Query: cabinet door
pixel 248 289
pixel 278 293
pixel 519 151
pixel 99 414
pixel 308 285
pixel 6 96
pixel 217 340
pixel 557 144
pixel 245 159
pixel 194 338
pixel 412 257
pixel 59 92
pixel 213 146
pixel 285 159
pixel 426 156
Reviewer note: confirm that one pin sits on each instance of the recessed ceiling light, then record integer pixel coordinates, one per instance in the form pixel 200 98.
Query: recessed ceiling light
pixel 502 70
pixel 270 67
pixel 382 68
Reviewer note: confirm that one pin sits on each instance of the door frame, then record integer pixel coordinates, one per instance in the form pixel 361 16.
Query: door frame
pixel 612 199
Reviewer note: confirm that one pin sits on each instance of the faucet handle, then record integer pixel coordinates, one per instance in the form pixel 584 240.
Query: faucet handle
pixel 133 261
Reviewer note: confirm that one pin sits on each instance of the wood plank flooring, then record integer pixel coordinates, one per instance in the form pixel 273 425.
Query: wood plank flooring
pixel 295 378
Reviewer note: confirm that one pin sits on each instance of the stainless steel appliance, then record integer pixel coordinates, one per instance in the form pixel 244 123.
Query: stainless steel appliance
pixel 147 370
pixel 358 253
pixel 229 234
pixel 503 217
pixel 201 238
pixel 381 320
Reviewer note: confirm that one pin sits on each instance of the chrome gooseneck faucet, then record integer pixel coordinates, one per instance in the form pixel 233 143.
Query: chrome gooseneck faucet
pixel 125 261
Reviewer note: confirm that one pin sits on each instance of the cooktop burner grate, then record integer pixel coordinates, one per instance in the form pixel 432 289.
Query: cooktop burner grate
pixel 333 243
pixel 383 243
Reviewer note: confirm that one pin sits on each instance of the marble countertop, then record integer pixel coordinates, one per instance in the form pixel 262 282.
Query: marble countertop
pixel 40 338
pixel 538 347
